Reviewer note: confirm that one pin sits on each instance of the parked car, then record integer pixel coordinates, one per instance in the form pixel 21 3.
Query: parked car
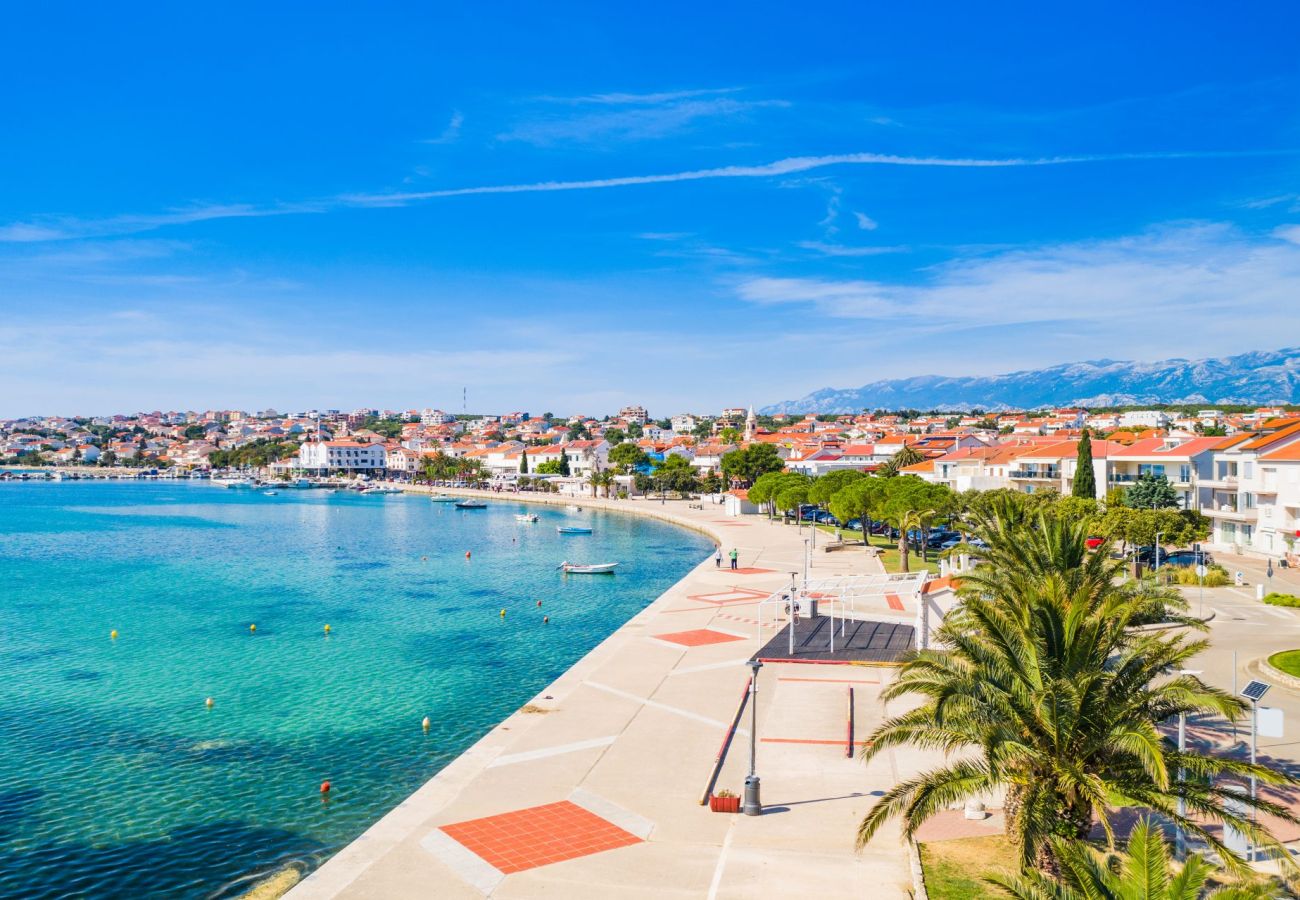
pixel 1184 558
pixel 1093 543
pixel 853 524
pixel 1148 556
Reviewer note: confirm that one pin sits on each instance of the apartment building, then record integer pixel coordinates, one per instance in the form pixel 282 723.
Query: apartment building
pixel 1252 494
pixel 348 456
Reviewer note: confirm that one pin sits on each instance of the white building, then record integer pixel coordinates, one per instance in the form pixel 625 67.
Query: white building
pixel 636 414
pixel 1144 418
pixel 436 417
pixel 684 423
pixel 1252 495
pixel 348 456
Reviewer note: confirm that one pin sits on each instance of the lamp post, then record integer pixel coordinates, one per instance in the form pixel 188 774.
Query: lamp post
pixel 1180 838
pixel 1159 535
pixel 753 805
pixel 1269 574
pixel 1254 691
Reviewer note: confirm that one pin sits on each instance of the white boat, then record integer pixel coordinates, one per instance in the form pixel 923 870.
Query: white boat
pixel 235 482
pixel 525 517
pixel 442 498
pixel 572 529
pixel 573 508
pixel 270 493
pixel 592 569
pixel 471 504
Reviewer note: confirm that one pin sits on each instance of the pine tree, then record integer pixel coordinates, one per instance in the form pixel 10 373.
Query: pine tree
pixel 523 462
pixel 1085 480
pixel 564 464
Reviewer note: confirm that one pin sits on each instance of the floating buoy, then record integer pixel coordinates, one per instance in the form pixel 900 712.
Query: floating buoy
pixel 539 604
pixel 503 613
pixel 252 627
pixel 113 634
pixel 425 723
pixel 208 703
pixel 546 620
pixel 467 554
pixel 424 559
pixel 327 629
pixel 324 787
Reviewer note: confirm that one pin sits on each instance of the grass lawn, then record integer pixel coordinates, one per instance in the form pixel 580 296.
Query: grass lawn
pixel 1287 661
pixel 954 869
pixel 888 551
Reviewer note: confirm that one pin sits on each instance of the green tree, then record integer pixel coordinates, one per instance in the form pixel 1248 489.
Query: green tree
pixel 615 436
pixel 564 464
pixel 908 456
pixel 909 505
pixel 635 431
pixel 769 485
pixel 729 435
pixel 523 461
pixel 748 464
pixel 1144 872
pixel 675 473
pixel 1061 702
pixel 1152 491
pixel 830 484
pixel 627 457
pixel 550 467
pixel 859 499
pixel 711 483
pixel 1085 479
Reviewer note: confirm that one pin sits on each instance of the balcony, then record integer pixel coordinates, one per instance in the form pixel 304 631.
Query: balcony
pixel 1036 474
pixel 1225 481
pixel 1230 512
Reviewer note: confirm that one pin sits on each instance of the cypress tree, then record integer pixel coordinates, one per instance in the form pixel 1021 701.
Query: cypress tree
pixel 564 464
pixel 523 462
pixel 1085 480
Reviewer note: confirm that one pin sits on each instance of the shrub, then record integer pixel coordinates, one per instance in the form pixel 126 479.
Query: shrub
pixel 1276 599
pixel 1215 576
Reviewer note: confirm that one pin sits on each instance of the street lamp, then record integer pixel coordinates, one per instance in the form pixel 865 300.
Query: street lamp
pixel 1159 535
pixel 1254 691
pixel 1180 848
pixel 753 805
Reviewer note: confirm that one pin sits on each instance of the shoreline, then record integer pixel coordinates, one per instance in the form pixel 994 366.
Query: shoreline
pixel 630 733
pixel 342 869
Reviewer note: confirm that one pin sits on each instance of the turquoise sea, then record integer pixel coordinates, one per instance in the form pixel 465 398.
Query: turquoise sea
pixel 117 781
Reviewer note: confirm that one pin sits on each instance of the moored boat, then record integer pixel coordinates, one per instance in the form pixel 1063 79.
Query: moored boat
pixel 572 529
pixel 526 517
pixel 471 504
pixel 589 569
pixel 442 498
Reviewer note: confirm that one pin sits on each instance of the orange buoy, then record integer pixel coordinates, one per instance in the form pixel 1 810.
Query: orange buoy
pixel 467 554
pixel 539 604
pixel 324 787
pixel 425 723
pixel 208 703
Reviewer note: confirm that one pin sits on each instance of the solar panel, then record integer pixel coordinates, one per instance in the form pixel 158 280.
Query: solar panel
pixel 1255 690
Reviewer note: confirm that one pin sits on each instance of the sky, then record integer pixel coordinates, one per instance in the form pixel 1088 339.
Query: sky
pixel 573 207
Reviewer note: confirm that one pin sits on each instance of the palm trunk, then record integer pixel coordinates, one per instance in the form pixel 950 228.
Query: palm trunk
pixel 902 551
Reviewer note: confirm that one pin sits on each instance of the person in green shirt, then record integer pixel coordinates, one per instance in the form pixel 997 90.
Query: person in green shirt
pixel 733 556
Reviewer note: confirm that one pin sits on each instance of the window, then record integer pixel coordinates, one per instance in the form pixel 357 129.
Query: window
pixel 1185 473
pixel 1248 470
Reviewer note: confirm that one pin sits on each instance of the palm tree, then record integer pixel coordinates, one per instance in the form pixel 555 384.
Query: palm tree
pixel 1046 694
pixel 595 480
pixel 1145 872
pixel 906 521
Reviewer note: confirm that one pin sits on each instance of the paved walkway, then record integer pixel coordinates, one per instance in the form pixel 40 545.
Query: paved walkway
pixel 594 789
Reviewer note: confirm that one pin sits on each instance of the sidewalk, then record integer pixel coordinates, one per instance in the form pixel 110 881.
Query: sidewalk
pixel 594 788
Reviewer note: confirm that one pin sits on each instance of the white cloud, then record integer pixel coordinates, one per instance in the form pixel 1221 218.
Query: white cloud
pixel 451 133
pixel 1288 233
pixel 632 123
pixel 841 250
pixel 1178 281
pixel 57 228
pixel 622 99
pixel 865 222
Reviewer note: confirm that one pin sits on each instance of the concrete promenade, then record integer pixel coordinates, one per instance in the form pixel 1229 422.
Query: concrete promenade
pixel 593 788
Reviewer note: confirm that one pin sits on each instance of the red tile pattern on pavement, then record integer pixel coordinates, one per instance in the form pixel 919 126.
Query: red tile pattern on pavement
pixel 698 637
pixel 528 838
pixel 750 570
pixel 735 595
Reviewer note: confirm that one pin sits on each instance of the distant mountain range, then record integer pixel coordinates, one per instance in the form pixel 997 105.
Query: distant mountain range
pixel 1264 377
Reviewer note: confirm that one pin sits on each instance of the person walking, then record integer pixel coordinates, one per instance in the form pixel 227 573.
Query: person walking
pixel 717 558
pixel 732 556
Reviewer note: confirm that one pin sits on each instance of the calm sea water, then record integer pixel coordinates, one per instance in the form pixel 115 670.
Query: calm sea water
pixel 116 780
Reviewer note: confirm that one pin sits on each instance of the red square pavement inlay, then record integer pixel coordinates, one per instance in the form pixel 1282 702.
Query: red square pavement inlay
pixel 698 637
pixel 750 570
pixel 722 598
pixel 527 838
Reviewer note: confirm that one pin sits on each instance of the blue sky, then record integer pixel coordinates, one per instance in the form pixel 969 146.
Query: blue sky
pixel 575 206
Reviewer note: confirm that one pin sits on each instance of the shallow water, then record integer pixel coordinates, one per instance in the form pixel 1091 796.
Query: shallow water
pixel 116 780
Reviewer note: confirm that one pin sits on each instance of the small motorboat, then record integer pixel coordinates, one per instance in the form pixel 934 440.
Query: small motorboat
pixel 573 508
pixel 593 569
pixel 572 529
pixel 270 493
pixel 442 498
pixel 526 517
pixel 471 504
